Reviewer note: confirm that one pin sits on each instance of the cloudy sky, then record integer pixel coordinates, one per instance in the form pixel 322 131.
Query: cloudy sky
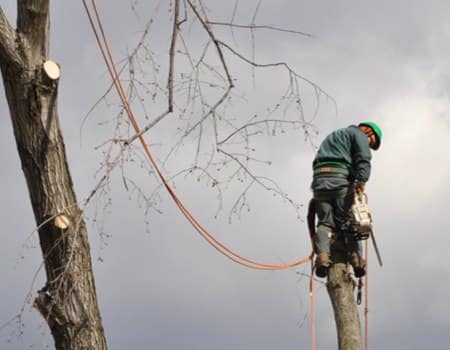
pixel 160 285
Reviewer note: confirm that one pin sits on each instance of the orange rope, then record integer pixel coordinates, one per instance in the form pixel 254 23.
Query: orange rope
pixel 366 301
pixel 109 61
pixel 312 294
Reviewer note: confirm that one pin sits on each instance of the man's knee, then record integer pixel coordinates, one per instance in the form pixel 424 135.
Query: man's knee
pixel 325 230
pixel 323 238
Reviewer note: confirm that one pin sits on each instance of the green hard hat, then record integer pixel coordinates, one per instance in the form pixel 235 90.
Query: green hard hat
pixel 376 129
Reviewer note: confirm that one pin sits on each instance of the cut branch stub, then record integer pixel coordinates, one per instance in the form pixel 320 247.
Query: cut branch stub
pixel 62 222
pixel 52 70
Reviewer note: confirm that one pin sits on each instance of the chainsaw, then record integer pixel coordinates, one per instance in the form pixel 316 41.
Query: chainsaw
pixel 362 221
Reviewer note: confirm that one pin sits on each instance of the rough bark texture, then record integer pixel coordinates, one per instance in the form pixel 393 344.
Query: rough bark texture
pixel 340 288
pixel 68 301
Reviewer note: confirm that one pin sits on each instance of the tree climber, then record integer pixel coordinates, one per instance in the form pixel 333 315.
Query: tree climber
pixel 341 168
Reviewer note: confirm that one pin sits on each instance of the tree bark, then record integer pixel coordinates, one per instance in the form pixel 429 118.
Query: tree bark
pixel 340 288
pixel 68 302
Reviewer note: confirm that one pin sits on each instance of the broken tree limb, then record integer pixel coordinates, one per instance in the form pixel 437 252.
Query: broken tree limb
pixel 52 70
pixel 62 222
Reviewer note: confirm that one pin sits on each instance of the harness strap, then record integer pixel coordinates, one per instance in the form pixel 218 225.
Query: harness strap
pixel 331 194
pixel 320 175
pixel 331 170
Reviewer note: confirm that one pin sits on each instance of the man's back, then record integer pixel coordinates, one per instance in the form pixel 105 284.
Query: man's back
pixel 340 145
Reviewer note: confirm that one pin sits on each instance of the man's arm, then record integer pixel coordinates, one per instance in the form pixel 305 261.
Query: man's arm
pixel 361 157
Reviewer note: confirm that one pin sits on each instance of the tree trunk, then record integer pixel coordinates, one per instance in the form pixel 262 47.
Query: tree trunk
pixel 340 288
pixel 68 302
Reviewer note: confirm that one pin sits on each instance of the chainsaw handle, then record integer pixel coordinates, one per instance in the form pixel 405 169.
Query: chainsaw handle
pixel 359 187
pixel 361 197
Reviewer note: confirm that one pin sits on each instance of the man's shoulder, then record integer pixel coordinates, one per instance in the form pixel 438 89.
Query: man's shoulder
pixel 348 131
pixel 354 131
pixel 350 128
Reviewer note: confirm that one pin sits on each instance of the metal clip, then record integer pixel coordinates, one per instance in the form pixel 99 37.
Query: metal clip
pixel 359 294
pixel 359 297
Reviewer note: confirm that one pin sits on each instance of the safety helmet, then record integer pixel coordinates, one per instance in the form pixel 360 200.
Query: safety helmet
pixel 376 130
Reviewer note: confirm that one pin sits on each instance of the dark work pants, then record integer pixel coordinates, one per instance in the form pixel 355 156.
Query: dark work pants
pixel 332 215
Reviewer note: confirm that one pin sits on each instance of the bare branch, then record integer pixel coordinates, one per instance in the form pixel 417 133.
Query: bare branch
pixel 148 127
pixel 224 66
pixel 253 26
pixel 265 65
pixel 250 124
pixel 215 41
pixel 256 11
pixel 266 183
pixel 317 89
pixel 236 5
pixel 8 52
pixel 185 15
pixel 172 54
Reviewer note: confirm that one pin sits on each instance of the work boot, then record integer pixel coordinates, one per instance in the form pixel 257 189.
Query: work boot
pixel 323 263
pixel 358 263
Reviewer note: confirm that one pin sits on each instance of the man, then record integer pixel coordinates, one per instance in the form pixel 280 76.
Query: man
pixel 341 168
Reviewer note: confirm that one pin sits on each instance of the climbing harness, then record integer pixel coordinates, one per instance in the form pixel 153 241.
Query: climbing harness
pixel 331 169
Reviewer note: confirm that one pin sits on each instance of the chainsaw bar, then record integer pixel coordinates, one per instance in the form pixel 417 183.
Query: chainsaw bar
pixel 375 246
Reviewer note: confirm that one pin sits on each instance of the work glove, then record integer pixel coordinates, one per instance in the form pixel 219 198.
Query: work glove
pixel 359 187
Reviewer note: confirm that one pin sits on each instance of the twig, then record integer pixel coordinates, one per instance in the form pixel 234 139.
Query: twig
pixel 254 26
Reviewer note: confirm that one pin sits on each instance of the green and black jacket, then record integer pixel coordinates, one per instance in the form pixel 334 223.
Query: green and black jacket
pixel 346 149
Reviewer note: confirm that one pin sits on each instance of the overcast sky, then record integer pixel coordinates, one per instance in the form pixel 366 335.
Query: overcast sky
pixel 165 289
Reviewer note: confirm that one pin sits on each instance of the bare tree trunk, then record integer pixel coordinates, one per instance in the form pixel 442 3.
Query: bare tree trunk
pixel 340 288
pixel 68 302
